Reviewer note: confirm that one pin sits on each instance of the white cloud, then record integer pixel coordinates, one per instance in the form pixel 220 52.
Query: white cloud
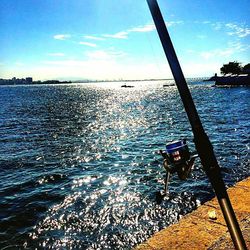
pixel 232 29
pixel 238 46
pixel 124 34
pixel 218 53
pixel 56 54
pixel 62 36
pixel 88 44
pixel 104 54
pixel 233 48
pixel 119 35
pixel 171 23
pixel 237 30
pixel 94 38
pixel 145 28
pixel 206 22
pixel 217 25
pixel 139 29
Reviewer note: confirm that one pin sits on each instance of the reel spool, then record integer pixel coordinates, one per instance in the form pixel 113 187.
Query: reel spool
pixel 177 158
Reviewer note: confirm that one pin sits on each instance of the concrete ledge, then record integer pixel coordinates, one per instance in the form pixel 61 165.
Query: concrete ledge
pixel 200 230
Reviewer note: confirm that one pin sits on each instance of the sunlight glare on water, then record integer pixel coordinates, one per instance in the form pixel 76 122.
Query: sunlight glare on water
pixel 82 163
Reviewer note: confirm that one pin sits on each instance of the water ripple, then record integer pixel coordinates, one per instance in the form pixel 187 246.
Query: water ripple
pixel 79 167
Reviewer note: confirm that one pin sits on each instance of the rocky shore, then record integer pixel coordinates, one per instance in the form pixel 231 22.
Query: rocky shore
pixel 205 227
pixel 238 80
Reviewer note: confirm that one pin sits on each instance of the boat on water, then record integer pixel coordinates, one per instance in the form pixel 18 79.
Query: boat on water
pixel 168 85
pixel 127 86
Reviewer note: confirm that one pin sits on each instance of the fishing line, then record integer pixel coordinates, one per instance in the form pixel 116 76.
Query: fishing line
pixel 155 58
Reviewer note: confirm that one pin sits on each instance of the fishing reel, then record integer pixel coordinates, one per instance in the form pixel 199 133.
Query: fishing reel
pixel 177 159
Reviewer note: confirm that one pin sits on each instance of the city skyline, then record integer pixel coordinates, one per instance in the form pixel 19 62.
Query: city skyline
pixel 106 40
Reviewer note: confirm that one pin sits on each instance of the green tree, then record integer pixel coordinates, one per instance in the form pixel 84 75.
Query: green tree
pixel 233 68
pixel 246 69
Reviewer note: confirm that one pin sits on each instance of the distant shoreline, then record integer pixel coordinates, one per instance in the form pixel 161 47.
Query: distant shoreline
pixel 29 81
pixel 15 81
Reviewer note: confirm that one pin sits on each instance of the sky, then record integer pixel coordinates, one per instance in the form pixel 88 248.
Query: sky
pixel 107 39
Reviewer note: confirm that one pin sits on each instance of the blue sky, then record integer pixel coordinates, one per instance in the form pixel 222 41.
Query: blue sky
pixel 106 39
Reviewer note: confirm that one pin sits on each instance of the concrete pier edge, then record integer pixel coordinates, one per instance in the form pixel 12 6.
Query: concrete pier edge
pixel 205 227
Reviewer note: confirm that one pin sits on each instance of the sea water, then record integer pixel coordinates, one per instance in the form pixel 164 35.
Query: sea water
pixel 79 163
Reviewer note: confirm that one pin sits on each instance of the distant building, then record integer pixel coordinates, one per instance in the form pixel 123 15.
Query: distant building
pixel 16 81
pixel 29 80
pixel 5 81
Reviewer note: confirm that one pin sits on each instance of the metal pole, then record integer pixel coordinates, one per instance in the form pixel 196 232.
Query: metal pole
pixel 202 142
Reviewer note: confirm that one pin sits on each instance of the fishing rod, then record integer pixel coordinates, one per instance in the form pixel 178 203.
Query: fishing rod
pixel 202 143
